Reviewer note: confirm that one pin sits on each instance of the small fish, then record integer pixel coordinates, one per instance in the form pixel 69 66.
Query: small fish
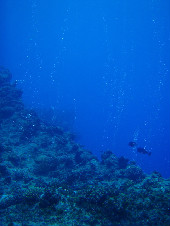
pixel 132 144
pixel 143 151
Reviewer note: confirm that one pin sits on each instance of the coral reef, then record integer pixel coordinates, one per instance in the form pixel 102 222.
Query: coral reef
pixel 46 178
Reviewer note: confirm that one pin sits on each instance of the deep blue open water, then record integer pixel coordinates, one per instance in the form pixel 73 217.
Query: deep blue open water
pixel 104 65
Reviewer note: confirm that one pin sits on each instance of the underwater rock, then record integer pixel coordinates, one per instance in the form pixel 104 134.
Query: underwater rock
pixel 134 173
pixel 109 159
pixel 122 162
pixel 6 112
pixel 3 170
pixel 5 76
pixel 9 200
pixel 10 97
pixel 45 164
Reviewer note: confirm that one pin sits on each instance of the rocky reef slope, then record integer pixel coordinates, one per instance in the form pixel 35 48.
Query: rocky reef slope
pixel 48 179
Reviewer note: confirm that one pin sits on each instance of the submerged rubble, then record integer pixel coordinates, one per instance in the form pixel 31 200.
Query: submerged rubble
pixel 46 178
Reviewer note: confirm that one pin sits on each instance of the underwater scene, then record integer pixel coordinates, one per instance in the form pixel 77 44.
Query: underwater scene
pixel 84 113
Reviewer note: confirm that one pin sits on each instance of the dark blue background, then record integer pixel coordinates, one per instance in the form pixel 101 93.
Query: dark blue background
pixel 105 61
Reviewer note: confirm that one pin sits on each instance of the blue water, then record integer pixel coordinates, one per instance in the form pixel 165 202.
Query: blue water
pixel 106 62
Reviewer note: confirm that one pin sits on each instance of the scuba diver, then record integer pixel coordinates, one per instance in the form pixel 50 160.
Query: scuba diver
pixel 139 149
pixel 132 144
pixel 143 151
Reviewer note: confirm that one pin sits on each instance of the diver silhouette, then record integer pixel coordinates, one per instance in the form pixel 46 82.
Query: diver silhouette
pixel 133 144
